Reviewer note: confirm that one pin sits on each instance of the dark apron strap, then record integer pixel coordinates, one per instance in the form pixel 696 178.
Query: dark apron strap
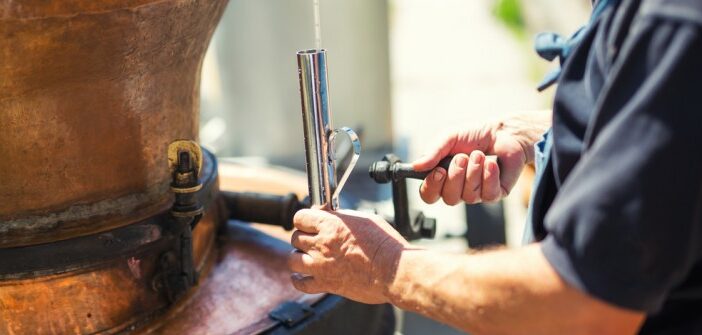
pixel 550 46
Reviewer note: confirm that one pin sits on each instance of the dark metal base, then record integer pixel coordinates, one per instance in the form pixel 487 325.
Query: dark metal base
pixel 340 316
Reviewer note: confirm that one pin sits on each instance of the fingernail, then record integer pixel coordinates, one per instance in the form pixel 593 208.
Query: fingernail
pixel 461 162
pixel 493 166
pixel 438 175
pixel 477 159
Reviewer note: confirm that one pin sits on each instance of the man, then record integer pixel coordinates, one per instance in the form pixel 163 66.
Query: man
pixel 617 215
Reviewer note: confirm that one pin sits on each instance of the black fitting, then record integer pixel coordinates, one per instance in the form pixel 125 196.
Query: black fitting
pixel 185 185
pixel 427 226
pixel 272 209
pixel 410 224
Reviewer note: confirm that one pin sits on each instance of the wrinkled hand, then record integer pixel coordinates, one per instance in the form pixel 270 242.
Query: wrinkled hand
pixel 473 177
pixel 344 252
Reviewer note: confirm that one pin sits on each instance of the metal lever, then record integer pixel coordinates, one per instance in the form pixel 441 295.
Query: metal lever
pixel 392 170
pixel 384 171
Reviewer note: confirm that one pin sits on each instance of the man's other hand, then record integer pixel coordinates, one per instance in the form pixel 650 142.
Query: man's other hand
pixel 487 161
pixel 344 252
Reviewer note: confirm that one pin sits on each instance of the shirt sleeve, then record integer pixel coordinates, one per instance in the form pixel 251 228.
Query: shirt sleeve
pixel 625 226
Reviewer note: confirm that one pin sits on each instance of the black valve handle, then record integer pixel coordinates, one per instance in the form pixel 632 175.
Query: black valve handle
pixel 384 172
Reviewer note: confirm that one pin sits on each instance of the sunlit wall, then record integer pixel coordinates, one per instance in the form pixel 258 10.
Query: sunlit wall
pixel 250 99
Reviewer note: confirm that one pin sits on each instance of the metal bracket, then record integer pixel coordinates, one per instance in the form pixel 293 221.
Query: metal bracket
pixel 178 268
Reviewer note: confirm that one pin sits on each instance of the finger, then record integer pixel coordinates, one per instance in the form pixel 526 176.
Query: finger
pixel 307 284
pixel 491 181
pixel 301 262
pixel 302 241
pixel 430 191
pixel 430 161
pixel 308 220
pixel 472 188
pixel 453 187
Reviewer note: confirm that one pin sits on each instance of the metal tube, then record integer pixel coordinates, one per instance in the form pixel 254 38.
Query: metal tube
pixel 317 125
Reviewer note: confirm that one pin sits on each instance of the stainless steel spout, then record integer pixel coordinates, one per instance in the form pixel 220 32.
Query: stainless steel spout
pixel 319 132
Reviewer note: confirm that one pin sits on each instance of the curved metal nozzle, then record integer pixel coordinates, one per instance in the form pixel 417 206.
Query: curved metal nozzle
pixel 356 143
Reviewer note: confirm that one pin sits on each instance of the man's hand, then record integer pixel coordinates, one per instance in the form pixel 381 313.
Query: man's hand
pixel 344 252
pixel 472 177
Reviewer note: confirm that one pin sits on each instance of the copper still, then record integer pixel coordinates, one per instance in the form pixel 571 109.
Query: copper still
pixel 92 93
pixel 112 220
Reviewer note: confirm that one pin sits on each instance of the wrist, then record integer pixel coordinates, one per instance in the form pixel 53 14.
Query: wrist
pixel 527 128
pixel 384 265
pixel 399 281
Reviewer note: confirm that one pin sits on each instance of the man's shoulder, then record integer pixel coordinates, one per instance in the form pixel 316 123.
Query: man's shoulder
pixel 684 11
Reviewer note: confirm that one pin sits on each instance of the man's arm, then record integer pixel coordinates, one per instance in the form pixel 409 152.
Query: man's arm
pixel 362 257
pixel 501 292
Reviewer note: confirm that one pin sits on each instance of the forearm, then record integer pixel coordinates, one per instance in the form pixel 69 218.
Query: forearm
pixel 498 292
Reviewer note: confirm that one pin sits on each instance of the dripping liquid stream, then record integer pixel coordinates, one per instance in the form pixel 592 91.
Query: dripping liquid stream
pixel 317 25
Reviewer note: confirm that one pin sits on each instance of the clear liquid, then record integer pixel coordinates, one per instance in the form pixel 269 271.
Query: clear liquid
pixel 317 25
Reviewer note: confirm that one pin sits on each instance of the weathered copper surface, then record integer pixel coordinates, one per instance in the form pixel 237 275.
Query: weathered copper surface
pixel 248 280
pixel 104 298
pixel 244 276
pixel 91 94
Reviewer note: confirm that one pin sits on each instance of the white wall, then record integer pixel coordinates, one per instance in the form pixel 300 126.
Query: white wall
pixel 250 98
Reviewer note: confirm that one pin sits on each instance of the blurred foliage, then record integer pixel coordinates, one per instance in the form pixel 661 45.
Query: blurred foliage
pixel 509 12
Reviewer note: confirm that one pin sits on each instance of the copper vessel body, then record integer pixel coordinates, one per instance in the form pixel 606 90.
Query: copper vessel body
pixel 91 94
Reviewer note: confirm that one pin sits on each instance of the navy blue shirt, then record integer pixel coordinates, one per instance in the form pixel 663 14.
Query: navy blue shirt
pixel 620 208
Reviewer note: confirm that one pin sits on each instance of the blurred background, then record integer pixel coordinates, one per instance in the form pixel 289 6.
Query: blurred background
pixel 402 73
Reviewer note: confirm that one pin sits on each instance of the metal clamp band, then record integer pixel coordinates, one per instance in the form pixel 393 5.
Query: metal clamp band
pixel 186 189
